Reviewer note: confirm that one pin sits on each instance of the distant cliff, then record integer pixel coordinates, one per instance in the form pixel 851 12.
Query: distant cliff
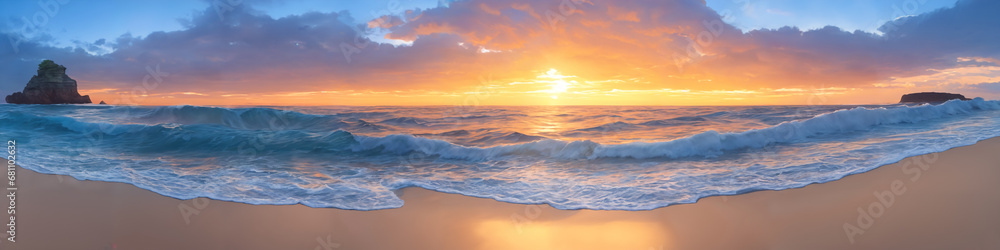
pixel 50 86
pixel 930 97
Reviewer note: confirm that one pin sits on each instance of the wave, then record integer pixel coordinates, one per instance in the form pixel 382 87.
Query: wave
pixel 614 126
pixel 362 125
pixel 242 118
pixel 460 132
pixel 591 117
pixel 709 143
pixel 482 117
pixel 514 137
pixel 676 121
pixel 405 121
pixel 221 159
pixel 684 120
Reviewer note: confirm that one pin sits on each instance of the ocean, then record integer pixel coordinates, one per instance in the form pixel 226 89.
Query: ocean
pixel 570 157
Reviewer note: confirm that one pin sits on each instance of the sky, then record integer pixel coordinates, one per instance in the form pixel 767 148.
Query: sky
pixel 506 52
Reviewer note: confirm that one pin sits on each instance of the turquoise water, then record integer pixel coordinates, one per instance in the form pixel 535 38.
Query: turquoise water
pixel 575 157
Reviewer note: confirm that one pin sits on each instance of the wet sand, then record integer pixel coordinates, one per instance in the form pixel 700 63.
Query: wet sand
pixel 948 200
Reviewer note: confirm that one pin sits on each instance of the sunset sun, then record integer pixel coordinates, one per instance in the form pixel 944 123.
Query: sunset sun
pixel 557 82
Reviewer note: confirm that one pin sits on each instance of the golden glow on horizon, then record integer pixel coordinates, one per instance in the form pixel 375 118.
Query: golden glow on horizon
pixel 567 85
pixel 553 93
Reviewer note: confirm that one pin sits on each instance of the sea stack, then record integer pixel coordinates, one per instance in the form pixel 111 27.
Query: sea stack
pixel 50 86
pixel 924 97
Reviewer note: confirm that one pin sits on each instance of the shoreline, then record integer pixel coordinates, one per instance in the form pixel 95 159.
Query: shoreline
pixel 931 201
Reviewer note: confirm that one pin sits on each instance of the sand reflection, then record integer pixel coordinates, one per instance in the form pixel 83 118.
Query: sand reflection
pixel 510 234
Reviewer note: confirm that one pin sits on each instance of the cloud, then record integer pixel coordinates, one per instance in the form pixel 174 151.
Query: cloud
pixel 639 46
pixel 595 35
pixel 249 53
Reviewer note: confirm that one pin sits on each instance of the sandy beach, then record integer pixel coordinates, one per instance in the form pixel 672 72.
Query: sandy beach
pixel 937 201
pixel 501 125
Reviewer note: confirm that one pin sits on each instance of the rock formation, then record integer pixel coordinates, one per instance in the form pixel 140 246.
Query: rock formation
pixel 50 86
pixel 102 102
pixel 930 97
